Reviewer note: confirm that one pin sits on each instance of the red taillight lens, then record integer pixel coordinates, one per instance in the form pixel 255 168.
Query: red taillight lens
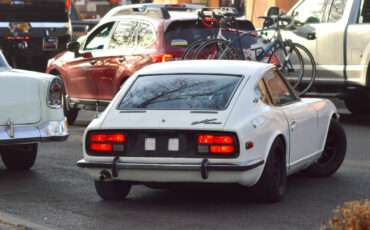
pixel 167 57
pixel 57 88
pixel 101 147
pixel 221 149
pixel 162 57
pixel 211 139
pixel 118 137
pixel 68 3
pixel 220 144
pixel 55 94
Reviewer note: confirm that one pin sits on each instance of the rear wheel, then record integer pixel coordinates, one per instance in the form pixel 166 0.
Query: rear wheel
pixel 19 157
pixel 70 113
pixel 112 190
pixel 273 181
pixel 333 155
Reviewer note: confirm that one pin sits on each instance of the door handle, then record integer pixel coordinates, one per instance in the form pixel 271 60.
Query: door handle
pixel 93 62
pixel 122 59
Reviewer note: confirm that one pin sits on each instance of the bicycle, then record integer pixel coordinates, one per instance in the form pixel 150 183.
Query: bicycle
pixel 211 21
pixel 284 54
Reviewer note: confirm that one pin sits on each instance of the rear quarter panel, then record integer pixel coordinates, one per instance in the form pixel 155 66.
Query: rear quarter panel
pixel 325 111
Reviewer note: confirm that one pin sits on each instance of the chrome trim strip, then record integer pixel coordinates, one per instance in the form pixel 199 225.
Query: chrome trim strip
pixel 172 166
pixel 10 128
pixel 48 131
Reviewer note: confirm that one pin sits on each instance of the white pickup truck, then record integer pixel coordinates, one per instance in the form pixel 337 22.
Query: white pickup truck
pixel 341 48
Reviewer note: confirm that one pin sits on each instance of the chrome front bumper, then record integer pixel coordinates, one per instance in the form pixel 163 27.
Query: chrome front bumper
pixel 49 131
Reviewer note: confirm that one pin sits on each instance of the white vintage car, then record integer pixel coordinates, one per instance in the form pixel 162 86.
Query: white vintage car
pixel 211 121
pixel 30 111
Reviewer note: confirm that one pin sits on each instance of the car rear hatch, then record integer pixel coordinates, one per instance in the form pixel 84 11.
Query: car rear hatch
pixel 20 99
pixel 34 10
pixel 180 34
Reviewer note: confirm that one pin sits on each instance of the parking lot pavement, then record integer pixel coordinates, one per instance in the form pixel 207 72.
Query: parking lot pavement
pixel 11 222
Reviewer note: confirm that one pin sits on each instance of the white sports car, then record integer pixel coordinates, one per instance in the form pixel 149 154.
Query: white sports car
pixel 30 111
pixel 211 121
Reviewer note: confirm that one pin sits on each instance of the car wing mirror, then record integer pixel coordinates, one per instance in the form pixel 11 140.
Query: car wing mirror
pixel 73 46
pixel 272 11
pixel 307 31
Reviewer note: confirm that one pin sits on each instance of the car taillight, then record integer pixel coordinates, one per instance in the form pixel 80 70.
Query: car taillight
pixel 68 3
pixel 162 57
pixel 101 147
pixel 222 144
pixel 118 137
pixel 54 98
pixel 107 142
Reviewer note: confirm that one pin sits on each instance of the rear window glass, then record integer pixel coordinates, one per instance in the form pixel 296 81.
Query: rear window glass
pixel 184 33
pixel 209 92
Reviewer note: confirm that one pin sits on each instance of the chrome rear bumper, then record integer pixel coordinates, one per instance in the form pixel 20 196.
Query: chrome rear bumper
pixel 49 131
pixel 202 167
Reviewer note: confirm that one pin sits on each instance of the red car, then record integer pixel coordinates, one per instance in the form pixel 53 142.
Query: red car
pixel 94 69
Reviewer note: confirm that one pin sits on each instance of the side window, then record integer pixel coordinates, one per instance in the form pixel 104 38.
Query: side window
pixel 262 92
pixel 146 35
pixel 99 39
pixel 279 91
pixel 337 10
pixel 124 35
pixel 309 11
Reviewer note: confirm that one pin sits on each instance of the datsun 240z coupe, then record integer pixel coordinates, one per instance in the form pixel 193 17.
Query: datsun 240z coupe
pixel 211 121
pixel 30 111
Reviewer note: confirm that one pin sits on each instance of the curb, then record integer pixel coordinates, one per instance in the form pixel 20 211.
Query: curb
pixel 12 222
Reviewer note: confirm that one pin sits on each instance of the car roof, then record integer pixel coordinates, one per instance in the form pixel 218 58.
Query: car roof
pixel 169 7
pixel 229 67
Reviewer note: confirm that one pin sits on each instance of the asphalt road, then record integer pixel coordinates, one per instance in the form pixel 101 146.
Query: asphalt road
pixel 60 195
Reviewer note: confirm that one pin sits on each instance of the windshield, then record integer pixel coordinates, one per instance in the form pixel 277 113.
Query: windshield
pixel 186 91
pixel 3 62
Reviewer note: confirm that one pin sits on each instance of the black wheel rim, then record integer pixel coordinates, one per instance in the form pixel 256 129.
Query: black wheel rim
pixel 330 150
pixel 278 169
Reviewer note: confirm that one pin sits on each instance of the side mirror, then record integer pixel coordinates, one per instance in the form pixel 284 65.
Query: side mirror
pixel 73 46
pixel 272 11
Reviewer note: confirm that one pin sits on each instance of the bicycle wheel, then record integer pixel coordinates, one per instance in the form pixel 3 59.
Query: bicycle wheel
pixel 309 75
pixel 217 49
pixel 289 61
pixel 190 50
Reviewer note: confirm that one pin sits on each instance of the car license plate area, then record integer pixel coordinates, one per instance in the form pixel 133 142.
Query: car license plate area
pixel 19 27
pixel 161 145
pixel 50 43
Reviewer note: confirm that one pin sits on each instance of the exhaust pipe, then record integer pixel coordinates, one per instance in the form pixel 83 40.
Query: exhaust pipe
pixel 104 175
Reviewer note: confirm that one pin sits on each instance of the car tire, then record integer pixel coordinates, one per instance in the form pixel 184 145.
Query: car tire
pixel 70 113
pixel 112 190
pixel 273 181
pixel 19 157
pixel 333 154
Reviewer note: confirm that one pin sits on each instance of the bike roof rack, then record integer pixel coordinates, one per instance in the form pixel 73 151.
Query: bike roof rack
pixel 155 12
pixel 220 10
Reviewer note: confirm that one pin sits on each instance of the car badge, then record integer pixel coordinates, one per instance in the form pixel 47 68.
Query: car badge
pixel 207 122
pixel 10 128
pixel 17 4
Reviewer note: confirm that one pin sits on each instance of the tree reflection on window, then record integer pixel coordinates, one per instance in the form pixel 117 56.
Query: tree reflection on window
pixel 180 92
